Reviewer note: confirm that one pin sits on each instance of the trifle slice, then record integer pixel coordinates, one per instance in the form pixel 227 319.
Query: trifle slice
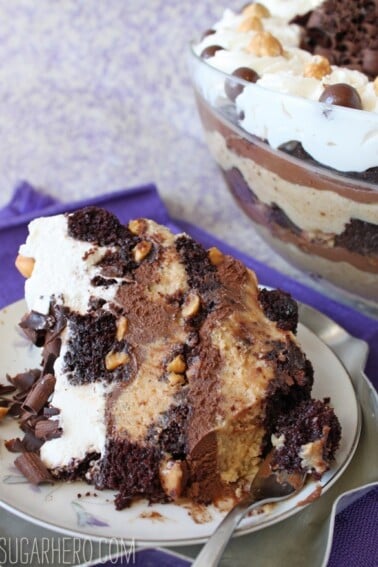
pixel 171 373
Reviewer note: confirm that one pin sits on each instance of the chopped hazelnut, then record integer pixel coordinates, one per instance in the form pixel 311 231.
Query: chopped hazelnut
pixel 215 256
pixel 191 305
pixel 176 379
pixel 141 250
pixel 177 364
pixel 317 68
pixel 115 359
pixel 3 412
pixel 122 325
pixel 251 23
pixel 172 477
pixel 264 44
pixel 256 9
pixel 136 226
pixel 25 265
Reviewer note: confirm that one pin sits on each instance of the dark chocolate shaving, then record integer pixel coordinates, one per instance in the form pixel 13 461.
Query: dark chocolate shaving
pixel 40 394
pixel 15 409
pixel 48 429
pixel 24 380
pixel 35 326
pixel 48 363
pixel 30 442
pixel 31 466
pixel 5 390
pixel 51 411
pixel 15 445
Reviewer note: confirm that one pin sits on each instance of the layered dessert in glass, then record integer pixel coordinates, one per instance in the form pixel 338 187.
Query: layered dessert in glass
pixel 288 96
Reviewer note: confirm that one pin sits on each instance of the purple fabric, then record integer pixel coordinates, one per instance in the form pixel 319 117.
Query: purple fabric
pixel 25 199
pixel 362 532
pixel 145 201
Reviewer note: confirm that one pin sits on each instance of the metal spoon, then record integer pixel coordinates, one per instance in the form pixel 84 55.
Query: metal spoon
pixel 267 486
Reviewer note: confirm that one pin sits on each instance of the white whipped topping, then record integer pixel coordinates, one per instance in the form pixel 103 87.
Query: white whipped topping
pixel 63 270
pixel 63 267
pixel 82 417
pixel 283 104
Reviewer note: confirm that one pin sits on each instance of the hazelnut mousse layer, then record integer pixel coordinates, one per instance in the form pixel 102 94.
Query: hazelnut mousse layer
pixel 166 372
pixel 288 96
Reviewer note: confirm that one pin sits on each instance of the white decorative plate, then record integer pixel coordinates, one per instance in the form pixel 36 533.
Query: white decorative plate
pixel 77 509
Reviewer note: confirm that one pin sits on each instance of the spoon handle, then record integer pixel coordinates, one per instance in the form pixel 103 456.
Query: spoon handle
pixel 212 551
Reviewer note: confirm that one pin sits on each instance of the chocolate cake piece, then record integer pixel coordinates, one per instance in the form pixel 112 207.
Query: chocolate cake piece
pixel 306 437
pixel 170 380
pixel 344 32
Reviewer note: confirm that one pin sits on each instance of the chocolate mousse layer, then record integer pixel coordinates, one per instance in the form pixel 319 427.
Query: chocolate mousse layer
pixel 291 170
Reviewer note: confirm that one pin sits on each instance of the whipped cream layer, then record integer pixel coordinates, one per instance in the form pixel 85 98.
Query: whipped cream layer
pixel 59 261
pixel 82 418
pixel 62 273
pixel 282 105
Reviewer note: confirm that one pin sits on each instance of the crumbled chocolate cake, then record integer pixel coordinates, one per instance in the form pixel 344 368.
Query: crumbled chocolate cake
pixel 297 434
pixel 339 30
pixel 94 225
pixel 94 332
pixel 279 306
pixel 359 236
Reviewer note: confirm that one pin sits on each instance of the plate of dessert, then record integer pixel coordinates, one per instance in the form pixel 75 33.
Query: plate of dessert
pixel 145 377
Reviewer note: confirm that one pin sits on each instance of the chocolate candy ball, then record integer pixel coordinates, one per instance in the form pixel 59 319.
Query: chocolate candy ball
pixel 341 94
pixel 234 88
pixel 210 51
pixel 210 31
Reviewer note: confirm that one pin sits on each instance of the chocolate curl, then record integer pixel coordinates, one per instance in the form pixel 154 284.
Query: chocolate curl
pixel 31 466
pixel 14 445
pixel 25 418
pixel 51 411
pixel 5 390
pixel 15 409
pixel 39 395
pixel 30 442
pixel 48 429
pixel 24 380
pixel 35 326
pixel 48 363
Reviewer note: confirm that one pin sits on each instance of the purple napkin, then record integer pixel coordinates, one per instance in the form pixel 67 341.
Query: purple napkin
pixel 28 203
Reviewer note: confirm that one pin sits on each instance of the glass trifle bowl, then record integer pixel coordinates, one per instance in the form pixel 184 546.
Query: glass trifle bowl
pixel 296 139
